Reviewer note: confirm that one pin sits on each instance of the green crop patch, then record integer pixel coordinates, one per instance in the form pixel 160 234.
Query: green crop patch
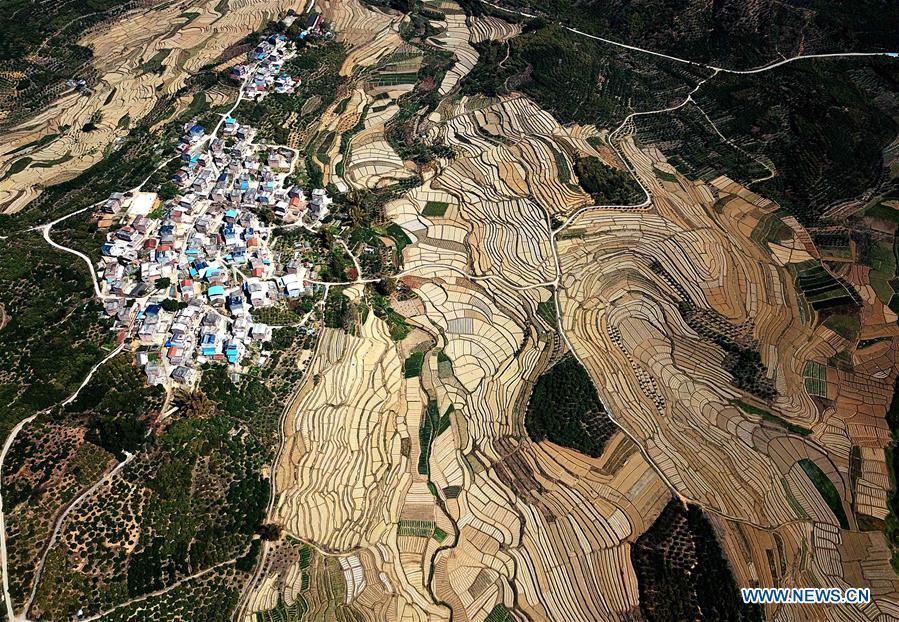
pixel 663 175
pixel 412 367
pixel 435 209
pixel 815 378
pixel 433 424
pixel 547 311
pixel 821 289
pixel 416 528
pixel 828 491
pixel 399 236
pixel 767 416
pixel 499 613
pixel 846 326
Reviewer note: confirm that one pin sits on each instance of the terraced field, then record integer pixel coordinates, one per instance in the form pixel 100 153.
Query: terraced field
pixel 698 314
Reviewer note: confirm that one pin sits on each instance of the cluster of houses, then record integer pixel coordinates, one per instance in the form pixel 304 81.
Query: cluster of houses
pixel 266 74
pixel 182 275
pixel 312 22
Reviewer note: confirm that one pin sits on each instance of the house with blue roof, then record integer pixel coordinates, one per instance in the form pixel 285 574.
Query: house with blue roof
pixel 232 352
pixel 208 345
pixel 216 294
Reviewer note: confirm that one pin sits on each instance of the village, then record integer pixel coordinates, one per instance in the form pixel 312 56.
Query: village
pixel 181 275
pixel 183 268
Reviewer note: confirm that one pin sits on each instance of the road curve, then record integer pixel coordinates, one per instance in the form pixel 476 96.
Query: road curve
pixel 62 517
pixel 7 599
pixel 687 61
pixel 45 231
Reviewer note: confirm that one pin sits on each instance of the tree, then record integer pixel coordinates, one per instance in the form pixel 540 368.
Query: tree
pixel 195 403
pixel 386 286
pixel 355 201
pixel 167 191
pixel 171 305
pixel 270 531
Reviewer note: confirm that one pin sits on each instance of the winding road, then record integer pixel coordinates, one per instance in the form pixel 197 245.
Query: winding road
pixel 45 231
pixel 694 63
pixel 612 139
pixel 62 517
pixel 7 599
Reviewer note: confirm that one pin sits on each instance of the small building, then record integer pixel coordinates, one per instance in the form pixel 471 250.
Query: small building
pixel 183 375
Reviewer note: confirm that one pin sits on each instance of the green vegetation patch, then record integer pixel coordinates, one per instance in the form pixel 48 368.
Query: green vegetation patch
pixel 682 572
pixel 413 364
pixel 694 148
pixel 882 210
pixel 821 289
pixel 432 425
pixel 17 167
pixel 444 365
pixel 54 334
pixel 547 311
pixel 46 468
pixel 338 312
pixel 416 528
pixel 770 229
pixel 211 598
pixel 867 343
pixel 565 409
pixel 663 175
pixel 882 259
pixel 767 416
pixel 842 360
pixel 191 499
pixel 607 186
pixel 728 33
pixel 827 489
pixel 395 79
pixel 399 236
pixel 846 326
pixel 499 613
pixel 823 125
pixel 575 78
pixel 561 166
pixel 815 378
pixel 40 142
pixel 155 63
pixel 250 399
pixel 435 208
pixel 117 406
